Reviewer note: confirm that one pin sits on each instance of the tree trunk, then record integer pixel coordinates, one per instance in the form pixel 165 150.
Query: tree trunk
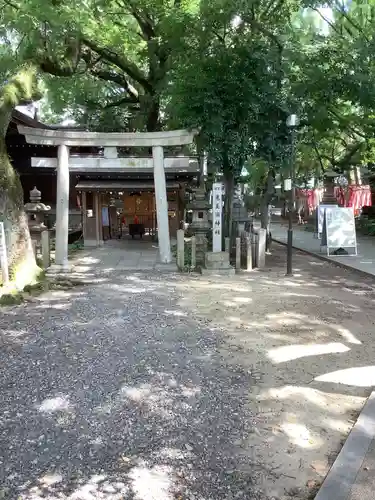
pixel 21 258
pixel 265 218
pixel 228 203
pixel 20 253
pixel 153 115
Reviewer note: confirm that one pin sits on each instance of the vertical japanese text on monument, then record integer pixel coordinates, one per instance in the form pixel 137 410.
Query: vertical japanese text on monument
pixel 217 207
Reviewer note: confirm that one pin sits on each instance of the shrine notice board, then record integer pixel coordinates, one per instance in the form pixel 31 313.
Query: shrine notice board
pixel 339 230
pixel 320 218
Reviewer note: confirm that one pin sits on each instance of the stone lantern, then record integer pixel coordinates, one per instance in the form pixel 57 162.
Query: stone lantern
pixel 36 212
pixel 200 225
pixel 239 213
pixel 329 197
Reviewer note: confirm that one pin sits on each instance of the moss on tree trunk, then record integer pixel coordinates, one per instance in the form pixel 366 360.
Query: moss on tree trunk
pixel 21 258
pixel 19 248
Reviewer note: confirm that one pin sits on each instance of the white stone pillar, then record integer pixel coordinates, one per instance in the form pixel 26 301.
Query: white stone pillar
pixel 84 215
pixel 97 217
pixel 193 252
pixel 62 208
pixel 181 249
pixel 238 254
pixel 46 250
pixel 161 205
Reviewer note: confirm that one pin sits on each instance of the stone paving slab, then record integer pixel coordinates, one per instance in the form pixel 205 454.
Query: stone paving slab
pixel 304 240
pixel 121 256
pixel 352 474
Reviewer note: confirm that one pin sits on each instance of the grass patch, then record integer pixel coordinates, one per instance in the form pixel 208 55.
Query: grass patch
pixel 11 299
pixel 365 226
pixel 75 247
pixel 43 284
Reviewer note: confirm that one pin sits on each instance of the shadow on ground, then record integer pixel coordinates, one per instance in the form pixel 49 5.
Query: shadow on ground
pixel 167 386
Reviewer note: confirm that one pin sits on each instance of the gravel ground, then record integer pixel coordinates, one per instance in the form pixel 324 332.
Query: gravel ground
pixel 162 387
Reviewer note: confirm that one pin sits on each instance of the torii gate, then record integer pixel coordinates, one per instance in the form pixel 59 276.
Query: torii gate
pixel 63 139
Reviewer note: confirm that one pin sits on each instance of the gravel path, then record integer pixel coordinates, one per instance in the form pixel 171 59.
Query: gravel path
pixel 106 393
pixel 174 387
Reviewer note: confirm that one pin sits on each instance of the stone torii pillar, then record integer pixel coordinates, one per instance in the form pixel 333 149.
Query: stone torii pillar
pixel 161 205
pixel 62 209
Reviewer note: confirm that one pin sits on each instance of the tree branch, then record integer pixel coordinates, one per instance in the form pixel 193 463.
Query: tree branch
pixel 11 4
pixel 350 127
pixel 123 63
pixel 120 80
pixel 318 154
pixel 125 100
pixel 327 21
pixel 145 23
pixel 51 67
pixel 340 8
pixel 266 32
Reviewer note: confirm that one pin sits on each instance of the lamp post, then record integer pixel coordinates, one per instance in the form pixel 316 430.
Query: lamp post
pixel 291 122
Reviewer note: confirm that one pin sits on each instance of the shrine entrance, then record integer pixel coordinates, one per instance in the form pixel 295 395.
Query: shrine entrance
pixel 126 210
pixel 97 218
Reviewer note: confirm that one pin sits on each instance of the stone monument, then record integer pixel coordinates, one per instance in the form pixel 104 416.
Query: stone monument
pixel 217 261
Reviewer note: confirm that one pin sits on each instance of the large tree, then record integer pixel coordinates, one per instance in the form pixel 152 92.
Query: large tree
pixel 103 54
pixel 19 85
pixel 229 82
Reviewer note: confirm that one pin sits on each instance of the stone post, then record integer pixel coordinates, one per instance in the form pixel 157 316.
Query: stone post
pixel 180 249
pixel 254 248
pixel 262 247
pixel 3 256
pixel 161 205
pixel 62 208
pixel 249 254
pixel 46 256
pixel 238 254
pixel 193 252
pixel 97 217
pixel 35 248
pixel 84 215
pixel 227 244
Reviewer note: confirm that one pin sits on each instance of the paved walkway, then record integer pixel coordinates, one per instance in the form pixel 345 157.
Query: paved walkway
pixel 352 476
pixel 120 256
pixel 305 240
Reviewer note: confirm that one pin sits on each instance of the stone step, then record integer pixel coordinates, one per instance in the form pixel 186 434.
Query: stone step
pixel 229 271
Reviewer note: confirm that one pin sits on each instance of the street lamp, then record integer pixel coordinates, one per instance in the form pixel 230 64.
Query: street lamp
pixel 292 123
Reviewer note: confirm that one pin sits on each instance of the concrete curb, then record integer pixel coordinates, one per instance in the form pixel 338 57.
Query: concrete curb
pixel 327 259
pixel 342 475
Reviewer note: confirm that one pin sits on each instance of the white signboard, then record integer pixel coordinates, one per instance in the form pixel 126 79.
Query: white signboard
pixel 339 231
pixel 217 210
pixel 3 255
pixel 320 217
